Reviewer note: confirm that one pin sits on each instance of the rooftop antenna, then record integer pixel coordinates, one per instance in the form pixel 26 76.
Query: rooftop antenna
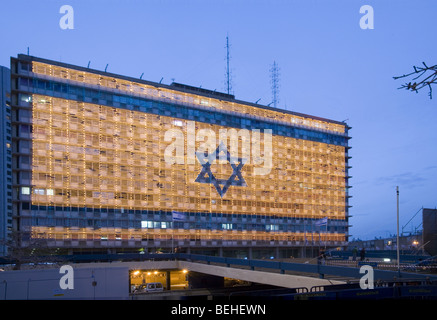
pixel 141 75
pixel 275 84
pixel 106 67
pixel 161 79
pixel 88 64
pixel 228 71
pixel 27 50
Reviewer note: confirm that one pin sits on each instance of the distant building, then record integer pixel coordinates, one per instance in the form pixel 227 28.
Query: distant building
pixel 99 167
pixel 409 243
pixel 421 241
pixel 5 160
pixel 429 217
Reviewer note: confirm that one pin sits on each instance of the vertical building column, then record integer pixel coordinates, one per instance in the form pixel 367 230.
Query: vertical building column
pixel 167 280
pixel 6 221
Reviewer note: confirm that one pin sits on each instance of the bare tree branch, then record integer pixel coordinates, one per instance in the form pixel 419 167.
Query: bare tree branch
pixel 31 252
pixel 420 72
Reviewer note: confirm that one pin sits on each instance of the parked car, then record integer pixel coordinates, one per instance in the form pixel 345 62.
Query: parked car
pixel 149 287
pixel 154 286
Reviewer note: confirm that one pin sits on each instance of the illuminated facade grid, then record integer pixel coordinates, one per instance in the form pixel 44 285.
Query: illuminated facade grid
pixel 96 166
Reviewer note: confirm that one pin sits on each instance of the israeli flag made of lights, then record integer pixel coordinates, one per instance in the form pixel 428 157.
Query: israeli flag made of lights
pixel 321 222
pixel 178 216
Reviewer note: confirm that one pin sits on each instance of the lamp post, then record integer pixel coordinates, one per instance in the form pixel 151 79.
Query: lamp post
pixel 397 236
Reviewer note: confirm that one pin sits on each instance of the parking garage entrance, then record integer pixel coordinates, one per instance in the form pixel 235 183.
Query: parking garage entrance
pixel 157 280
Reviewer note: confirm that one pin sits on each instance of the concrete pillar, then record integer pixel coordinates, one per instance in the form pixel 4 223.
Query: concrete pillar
pixel 167 280
pixel 250 253
pixel 220 253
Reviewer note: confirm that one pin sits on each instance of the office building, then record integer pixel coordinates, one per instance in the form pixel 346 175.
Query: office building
pixel 109 163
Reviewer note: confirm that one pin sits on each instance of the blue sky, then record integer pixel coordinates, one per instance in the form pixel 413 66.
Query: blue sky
pixel 329 67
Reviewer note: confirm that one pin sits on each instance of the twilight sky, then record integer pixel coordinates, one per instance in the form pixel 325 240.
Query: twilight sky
pixel 329 67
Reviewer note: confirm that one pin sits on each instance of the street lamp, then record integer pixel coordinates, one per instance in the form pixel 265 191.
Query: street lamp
pixel 397 236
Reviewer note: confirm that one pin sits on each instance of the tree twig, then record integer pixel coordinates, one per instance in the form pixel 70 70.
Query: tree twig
pixel 430 79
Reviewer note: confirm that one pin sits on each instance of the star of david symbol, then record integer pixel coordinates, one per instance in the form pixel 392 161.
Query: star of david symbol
pixel 206 176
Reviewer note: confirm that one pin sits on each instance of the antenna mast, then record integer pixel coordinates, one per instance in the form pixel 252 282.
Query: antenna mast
pixel 228 71
pixel 275 83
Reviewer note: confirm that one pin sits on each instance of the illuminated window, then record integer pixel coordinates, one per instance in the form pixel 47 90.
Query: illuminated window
pixel 38 191
pixel 147 224
pixel 25 190
pixel 272 227
pixel 26 98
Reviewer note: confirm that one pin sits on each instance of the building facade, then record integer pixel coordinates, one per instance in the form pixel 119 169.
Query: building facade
pixel 408 243
pixel 108 163
pixel 429 221
pixel 5 161
pixel 421 240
